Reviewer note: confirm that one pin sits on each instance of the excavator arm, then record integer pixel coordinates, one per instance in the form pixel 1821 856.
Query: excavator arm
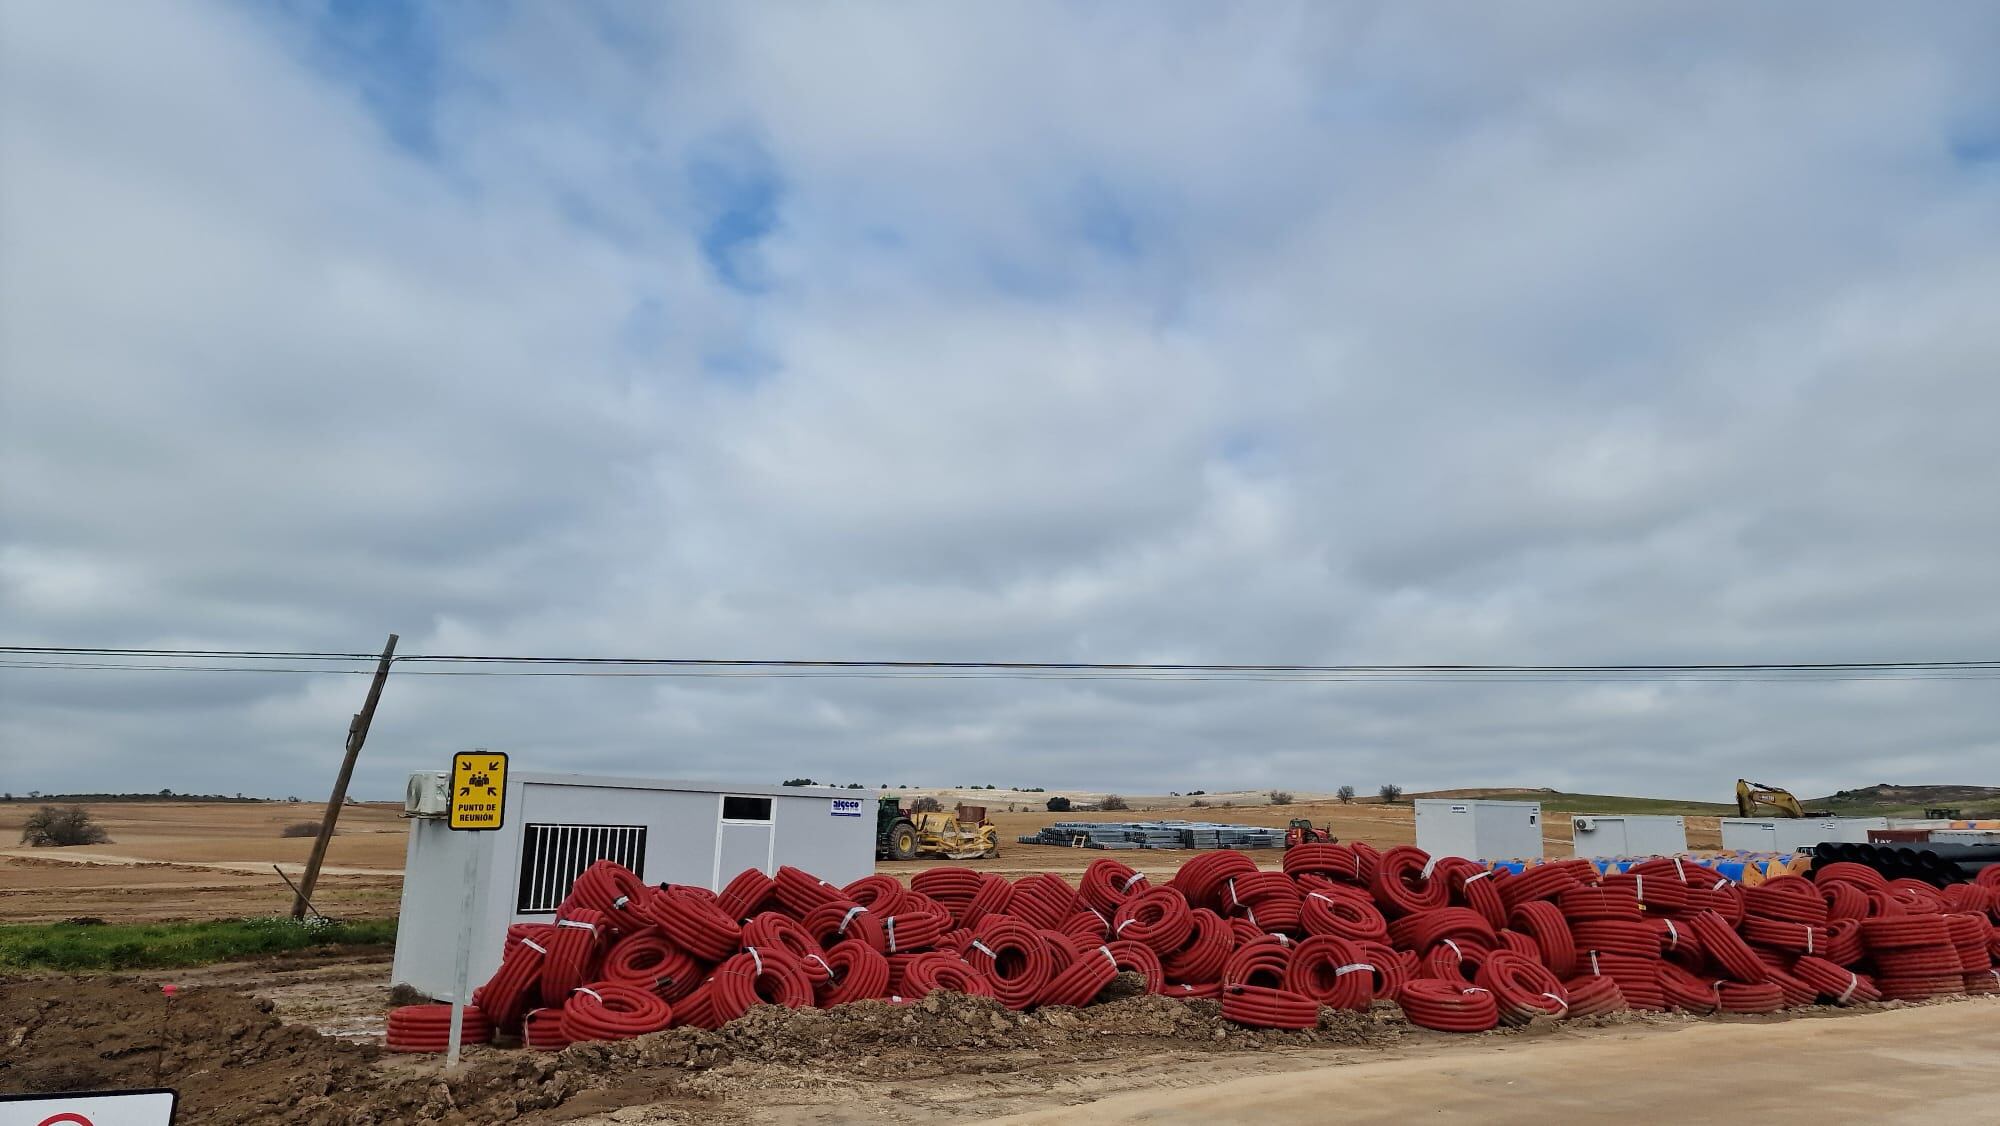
pixel 1755 799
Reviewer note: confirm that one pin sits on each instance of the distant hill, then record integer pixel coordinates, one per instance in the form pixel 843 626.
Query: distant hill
pixel 1884 799
pixel 1556 801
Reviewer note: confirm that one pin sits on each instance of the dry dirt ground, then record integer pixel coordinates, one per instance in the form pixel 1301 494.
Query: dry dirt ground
pixel 196 860
pixel 199 860
pixel 294 1040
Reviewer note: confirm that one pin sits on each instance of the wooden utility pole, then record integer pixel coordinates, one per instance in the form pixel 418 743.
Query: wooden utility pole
pixel 357 734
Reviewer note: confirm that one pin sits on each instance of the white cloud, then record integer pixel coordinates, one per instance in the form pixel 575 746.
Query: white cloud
pixel 1130 333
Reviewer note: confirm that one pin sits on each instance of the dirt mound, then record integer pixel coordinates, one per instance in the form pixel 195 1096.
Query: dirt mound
pixel 231 1059
pixel 235 1061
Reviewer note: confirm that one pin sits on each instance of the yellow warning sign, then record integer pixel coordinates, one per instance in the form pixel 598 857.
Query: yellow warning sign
pixel 478 790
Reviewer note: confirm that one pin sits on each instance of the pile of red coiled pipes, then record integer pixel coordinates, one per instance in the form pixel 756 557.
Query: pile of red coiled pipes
pixel 1459 947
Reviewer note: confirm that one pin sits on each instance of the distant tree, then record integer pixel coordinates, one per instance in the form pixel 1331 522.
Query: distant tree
pixel 1280 797
pixel 51 827
pixel 856 786
pixel 885 785
pixel 165 792
pixel 294 799
pixel 1390 792
pixel 1345 794
pixel 7 797
pixel 799 782
pixel 1196 793
pixel 1058 805
pixel 904 786
pixel 926 804
pixel 1113 801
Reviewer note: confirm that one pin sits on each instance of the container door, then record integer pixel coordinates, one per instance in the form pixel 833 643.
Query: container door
pixel 743 837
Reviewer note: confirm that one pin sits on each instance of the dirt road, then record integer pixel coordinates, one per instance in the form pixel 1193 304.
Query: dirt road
pixel 1923 1065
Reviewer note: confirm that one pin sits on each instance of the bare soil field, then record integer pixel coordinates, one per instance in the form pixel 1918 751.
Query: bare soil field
pixel 296 1040
pixel 199 860
pixel 212 860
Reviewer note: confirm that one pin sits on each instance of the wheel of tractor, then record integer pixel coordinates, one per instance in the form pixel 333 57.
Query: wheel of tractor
pixel 903 841
pixel 991 853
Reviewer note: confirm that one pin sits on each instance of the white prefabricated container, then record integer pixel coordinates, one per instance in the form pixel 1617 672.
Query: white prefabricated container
pixel 1628 835
pixel 1789 834
pixel 559 824
pixel 1479 829
pixel 1965 836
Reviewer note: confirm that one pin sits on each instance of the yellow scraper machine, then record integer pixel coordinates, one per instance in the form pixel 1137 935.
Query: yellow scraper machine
pixel 962 834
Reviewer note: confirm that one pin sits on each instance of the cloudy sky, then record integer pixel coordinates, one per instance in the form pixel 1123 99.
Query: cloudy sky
pixel 1134 332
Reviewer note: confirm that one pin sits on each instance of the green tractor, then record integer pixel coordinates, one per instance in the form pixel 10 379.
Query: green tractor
pixel 895 833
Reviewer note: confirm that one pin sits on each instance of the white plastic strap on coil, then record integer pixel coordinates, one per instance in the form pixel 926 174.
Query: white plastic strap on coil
pixel 889 926
pixel 1478 876
pixel 1352 968
pixel 1109 956
pixel 1809 946
pixel 1252 913
pixel 1126 923
pixel 1638 885
pixel 756 958
pixel 1853 982
pixel 592 992
pixel 1454 948
pixel 1233 901
pixel 1283 939
pixel 1680 872
pixel 1673 935
pixel 535 946
pixel 848 918
pixel 1561 1005
pixel 822 963
pixel 1593 965
pixel 619 903
pixel 1430 864
pixel 1133 879
pixel 1719 884
pixel 1099 914
pixel 984 949
pixel 591 927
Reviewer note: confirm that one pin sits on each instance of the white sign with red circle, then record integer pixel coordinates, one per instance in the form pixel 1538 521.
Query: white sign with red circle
pixel 93 1108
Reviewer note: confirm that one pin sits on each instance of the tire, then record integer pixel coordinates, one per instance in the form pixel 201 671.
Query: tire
pixel 903 841
pixel 991 853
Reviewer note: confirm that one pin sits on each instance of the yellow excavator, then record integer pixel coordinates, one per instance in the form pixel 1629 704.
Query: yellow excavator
pixel 1755 799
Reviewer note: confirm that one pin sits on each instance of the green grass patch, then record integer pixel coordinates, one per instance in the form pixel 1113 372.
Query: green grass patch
pixel 73 946
pixel 1611 803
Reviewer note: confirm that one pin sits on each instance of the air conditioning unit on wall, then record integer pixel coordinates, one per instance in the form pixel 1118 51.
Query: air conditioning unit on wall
pixel 428 795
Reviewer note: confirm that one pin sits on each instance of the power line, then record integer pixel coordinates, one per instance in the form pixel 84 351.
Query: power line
pixel 988 666
pixel 1384 676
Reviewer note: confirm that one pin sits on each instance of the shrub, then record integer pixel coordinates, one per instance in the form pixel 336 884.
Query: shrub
pixel 1345 794
pixel 1280 797
pixel 1197 804
pixel 1058 805
pixel 926 804
pixel 52 827
pixel 1113 801
pixel 1390 792
pixel 300 829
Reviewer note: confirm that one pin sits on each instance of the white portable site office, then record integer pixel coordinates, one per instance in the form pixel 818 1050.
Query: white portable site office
pixel 1479 829
pixel 1789 834
pixel 556 825
pixel 1592 835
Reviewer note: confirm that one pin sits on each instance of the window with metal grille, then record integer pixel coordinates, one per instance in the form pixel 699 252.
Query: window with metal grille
pixel 553 856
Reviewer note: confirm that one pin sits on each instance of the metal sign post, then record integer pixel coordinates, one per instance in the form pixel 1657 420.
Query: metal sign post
pixel 478 805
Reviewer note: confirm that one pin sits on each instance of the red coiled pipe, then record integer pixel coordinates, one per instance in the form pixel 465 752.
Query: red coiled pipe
pixel 649 960
pixel 1160 918
pixel 1107 883
pixel 747 894
pixel 427 1028
pixel 696 925
pixel 1448 1006
pixel 938 970
pixel 609 1010
pixel 1523 989
pixel 1263 1007
pixel 1013 957
pixel 1343 914
pixel 573 954
pixel 1402 885
pixel 1332 971
pixel 1139 958
pixel 1203 954
pixel 1543 921
pixel 858 972
pixel 1082 980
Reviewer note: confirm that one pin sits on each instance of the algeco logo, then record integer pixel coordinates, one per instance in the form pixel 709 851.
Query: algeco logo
pixel 846 807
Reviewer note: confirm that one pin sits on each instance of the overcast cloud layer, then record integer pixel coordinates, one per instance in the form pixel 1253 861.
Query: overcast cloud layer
pixel 1224 333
